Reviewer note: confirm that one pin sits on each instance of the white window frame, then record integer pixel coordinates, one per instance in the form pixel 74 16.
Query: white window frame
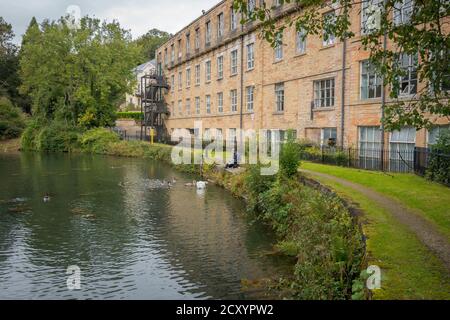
pixel 300 42
pixel 411 68
pixel 188 106
pixel 220 102
pixel 279 97
pixel 197 38
pixel 220 67
pixel 208 71
pixel 278 50
pixel 371 15
pixel 324 136
pixel 197 74
pixel 233 19
pixel 439 129
pixel 234 100
pixel 321 94
pixel 208 33
pixel 250 56
pixel 332 38
pixel 234 62
pixel 208 104
pixel 403 12
pixel 180 107
pixel 250 94
pixel 180 80
pixel 197 105
pixel 188 43
pixel 220 25
pixel 188 77
pixel 370 74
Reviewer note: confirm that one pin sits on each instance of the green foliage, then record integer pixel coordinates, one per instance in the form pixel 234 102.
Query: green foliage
pixel 80 75
pixel 12 120
pixel 255 184
pixel 9 66
pixel 431 44
pixel 290 157
pixel 315 227
pixel 97 140
pixel 136 115
pixel 54 137
pixel 439 162
pixel 149 42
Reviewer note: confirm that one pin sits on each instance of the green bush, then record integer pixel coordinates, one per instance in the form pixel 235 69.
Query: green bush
pixel 315 227
pixel 439 162
pixel 138 116
pixel 98 140
pixel 290 157
pixel 12 120
pixel 255 184
pixel 53 137
pixel 57 137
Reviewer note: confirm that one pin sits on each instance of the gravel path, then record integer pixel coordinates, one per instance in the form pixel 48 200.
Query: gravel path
pixel 423 229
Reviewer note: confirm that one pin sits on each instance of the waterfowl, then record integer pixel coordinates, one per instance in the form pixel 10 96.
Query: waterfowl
pixel 46 198
pixel 201 184
pixel 191 184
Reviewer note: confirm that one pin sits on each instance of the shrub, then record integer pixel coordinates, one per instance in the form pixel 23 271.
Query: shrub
pixel 57 137
pixel 98 140
pixel 289 157
pixel 12 120
pixel 255 184
pixel 138 116
pixel 439 162
pixel 54 137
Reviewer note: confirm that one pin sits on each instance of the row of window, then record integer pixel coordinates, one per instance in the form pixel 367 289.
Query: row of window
pixel 324 90
pixel 208 103
pixel 370 20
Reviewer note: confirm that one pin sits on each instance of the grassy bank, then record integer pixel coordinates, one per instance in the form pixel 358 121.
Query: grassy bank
pixel 313 227
pixel 409 269
pixel 427 199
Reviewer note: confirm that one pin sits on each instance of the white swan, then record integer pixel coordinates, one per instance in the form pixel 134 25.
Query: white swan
pixel 201 185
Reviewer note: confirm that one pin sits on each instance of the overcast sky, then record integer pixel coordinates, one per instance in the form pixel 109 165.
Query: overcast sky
pixel 139 16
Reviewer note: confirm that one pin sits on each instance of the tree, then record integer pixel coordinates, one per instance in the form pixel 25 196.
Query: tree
pixel 150 41
pixel 77 75
pixel 8 61
pixel 417 29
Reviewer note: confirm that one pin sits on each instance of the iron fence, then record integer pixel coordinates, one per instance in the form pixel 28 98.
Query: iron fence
pixel 391 160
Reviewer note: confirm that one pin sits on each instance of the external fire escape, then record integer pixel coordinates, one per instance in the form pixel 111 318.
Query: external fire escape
pixel 153 105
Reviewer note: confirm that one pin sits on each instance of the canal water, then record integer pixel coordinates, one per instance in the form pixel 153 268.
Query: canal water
pixel 131 236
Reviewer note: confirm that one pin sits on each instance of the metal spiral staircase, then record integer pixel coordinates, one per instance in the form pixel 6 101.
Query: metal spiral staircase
pixel 153 105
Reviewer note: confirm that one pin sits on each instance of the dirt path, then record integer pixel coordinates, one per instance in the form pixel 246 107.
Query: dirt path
pixel 423 229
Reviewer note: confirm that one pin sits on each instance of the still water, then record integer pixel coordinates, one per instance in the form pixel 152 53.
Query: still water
pixel 131 237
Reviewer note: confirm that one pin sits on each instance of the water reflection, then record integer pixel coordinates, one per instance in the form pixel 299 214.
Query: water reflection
pixel 132 240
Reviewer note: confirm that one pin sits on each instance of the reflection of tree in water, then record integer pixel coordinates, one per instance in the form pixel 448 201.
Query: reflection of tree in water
pixel 103 218
pixel 60 233
pixel 208 237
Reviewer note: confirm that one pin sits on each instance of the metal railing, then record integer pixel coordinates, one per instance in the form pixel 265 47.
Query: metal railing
pixel 403 161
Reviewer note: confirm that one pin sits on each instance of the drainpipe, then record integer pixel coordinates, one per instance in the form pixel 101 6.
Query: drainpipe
pixel 383 99
pixel 344 63
pixel 242 80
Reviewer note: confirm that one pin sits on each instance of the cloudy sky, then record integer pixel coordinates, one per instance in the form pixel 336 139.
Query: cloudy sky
pixel 137 15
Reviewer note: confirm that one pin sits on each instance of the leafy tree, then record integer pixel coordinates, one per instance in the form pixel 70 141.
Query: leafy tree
pixel 150 41
pixel 77 75
pixel 12 120
pixel 422 30
pixel 9 66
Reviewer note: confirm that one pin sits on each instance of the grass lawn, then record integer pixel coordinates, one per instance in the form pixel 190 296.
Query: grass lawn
pixel 428 199
pixel 409 270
